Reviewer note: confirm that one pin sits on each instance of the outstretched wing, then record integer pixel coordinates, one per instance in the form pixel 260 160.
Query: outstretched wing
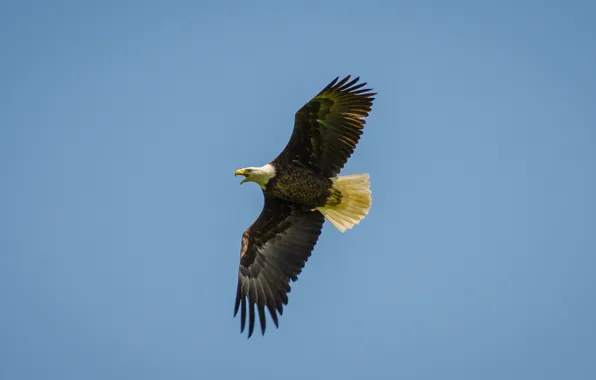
pixel 273 252
pixel 328 127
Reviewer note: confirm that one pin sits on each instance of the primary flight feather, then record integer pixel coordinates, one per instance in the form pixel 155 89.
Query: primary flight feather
pixel 302 188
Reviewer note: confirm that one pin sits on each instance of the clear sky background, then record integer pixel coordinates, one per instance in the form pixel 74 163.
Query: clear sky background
pixel 122 123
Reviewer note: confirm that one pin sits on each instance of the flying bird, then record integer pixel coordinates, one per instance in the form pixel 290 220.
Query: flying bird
pixel 302 188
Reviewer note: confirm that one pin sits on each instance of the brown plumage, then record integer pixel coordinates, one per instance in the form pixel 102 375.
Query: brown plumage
pixel 328 127
pixel 299 194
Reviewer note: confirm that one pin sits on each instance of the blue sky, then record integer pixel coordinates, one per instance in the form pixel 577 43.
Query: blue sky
pixel 122 123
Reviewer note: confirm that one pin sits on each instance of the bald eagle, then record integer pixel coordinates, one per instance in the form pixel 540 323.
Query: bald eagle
pixel 302 188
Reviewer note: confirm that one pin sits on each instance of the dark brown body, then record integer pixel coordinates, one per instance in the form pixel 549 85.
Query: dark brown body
pixel 299 185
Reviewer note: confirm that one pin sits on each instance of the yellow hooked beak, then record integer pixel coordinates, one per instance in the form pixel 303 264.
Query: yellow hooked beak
pixel 241 172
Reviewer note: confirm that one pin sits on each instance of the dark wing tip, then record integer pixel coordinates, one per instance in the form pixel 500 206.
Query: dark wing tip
pixel 342 82
pixel 349 85
pixel 273 314
pixel 262 319
pixel 237 303
pixel 346 86
pixel 251 319
pixel 330 85
pixel 243 315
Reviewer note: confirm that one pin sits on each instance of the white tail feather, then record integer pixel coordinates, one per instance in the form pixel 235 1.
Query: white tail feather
pixel 355 202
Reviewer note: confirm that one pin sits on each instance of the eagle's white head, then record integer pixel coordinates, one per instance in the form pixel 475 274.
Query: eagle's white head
pixel 260 175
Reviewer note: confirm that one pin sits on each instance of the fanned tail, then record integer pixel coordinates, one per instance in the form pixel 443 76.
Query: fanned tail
pixel 355 201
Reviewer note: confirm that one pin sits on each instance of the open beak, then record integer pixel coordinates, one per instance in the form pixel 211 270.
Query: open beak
pixel 241 172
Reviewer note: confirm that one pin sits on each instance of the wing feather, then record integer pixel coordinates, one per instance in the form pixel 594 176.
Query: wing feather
pixel 328 127
pixel 273 252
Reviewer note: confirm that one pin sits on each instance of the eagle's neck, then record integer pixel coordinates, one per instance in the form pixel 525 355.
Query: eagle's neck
pixel 264 174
